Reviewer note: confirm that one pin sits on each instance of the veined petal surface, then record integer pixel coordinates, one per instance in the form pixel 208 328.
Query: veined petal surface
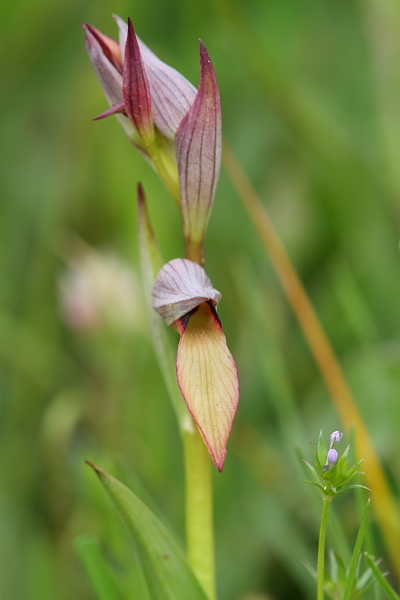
pixel 207 377
pixel 136 88
pixel 171 93
pixel 198 151
pixel 181 286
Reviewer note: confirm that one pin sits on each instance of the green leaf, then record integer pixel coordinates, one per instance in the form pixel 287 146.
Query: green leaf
pixel 346 452
pixel 334 567
pixel 317 463
pixel 352 472
pixel 314 483
pixel 351 487
pixel 101 578
pixel 351 578
pixel 311 570
pixel 385 585
pixel 167 572
pixel 313 471
pixel 365 581
pixel 322 451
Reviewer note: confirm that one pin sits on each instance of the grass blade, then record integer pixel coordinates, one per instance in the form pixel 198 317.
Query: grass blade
pixel 350 584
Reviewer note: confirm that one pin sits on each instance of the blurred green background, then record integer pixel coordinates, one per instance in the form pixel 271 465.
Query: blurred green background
pixel 310 96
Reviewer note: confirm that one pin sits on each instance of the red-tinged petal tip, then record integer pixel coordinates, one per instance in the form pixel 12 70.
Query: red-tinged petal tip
pixel 109 75
pixel 109 46
pixel 136 88
pixel 207 377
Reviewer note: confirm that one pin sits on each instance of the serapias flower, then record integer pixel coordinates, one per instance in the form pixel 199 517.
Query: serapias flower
pixel 206 371
pixel 177 127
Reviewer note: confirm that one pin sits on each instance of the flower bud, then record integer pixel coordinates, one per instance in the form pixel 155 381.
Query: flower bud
pixel 332 458
pixel 335 437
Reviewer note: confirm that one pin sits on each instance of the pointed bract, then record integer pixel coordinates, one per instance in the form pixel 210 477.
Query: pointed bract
pixel 136 88
pixel 114 110
pixel 207 377
pixel 180 287
pixel 198 152
pixel 171 93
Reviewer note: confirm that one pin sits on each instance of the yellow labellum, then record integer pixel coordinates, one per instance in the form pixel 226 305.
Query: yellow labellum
pixel 207 377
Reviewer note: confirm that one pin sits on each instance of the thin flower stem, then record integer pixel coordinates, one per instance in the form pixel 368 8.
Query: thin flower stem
pixel 199 507
pixel 385 508
pixel 321 548
pixel 199 511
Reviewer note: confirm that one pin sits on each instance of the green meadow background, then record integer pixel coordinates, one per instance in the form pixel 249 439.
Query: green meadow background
pixel 310 94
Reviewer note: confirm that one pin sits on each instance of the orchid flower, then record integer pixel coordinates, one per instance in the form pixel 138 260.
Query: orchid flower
pixel 178 129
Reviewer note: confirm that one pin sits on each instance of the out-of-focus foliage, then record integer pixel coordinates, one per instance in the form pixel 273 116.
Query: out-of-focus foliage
pixel 310 93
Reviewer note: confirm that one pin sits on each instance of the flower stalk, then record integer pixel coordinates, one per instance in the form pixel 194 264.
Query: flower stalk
pixel 331 475
pixel 199 511
pixel 321 547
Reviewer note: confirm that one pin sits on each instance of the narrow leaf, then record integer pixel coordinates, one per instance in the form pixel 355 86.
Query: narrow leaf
pixel 99 573
pixel 352 487
pixel 351 578
pixel 151 263
pixel 385 585
pixel 311 570
pixel 334 567
pixel 353 471
pixel 136 88
pixel 171 93
pixel 168 575
pixel 322 451
pixel 319 486
pixel 198 152
pixel 207 377
pixel 313 471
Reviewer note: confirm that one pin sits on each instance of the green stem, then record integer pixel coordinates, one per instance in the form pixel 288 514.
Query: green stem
pixel 165 165
pixel 199 517
pixel 321 548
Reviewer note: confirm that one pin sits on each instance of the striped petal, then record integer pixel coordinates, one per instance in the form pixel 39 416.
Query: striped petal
pixel 136 88
pixel 207 377
pixel 198 151
pixel 180 287
pixel 108 74
pixel 172 95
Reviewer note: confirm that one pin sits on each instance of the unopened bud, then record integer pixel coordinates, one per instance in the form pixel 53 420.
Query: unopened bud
pixel 332 458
